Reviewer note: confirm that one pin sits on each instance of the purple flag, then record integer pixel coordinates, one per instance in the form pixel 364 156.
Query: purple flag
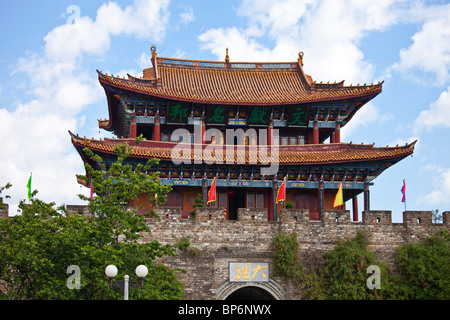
pixel 403 190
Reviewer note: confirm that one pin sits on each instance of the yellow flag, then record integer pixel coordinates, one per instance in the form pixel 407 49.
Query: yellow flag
pixel 339 200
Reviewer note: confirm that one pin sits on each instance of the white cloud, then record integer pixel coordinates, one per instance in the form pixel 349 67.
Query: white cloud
pixel 364 118
pixel 436 115
pixel 324 30
pixel 241 47
pixel 439 196
pixel 144 61
pixel 187 16
pixel 143 19
pixel 56 89
pixel 430 50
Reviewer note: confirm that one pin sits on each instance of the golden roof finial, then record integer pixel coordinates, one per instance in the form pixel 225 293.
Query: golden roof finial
pixel 227 57
pixel 153 49
pixel 300 58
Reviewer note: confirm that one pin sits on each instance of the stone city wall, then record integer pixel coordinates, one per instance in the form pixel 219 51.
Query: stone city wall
pixel 215 242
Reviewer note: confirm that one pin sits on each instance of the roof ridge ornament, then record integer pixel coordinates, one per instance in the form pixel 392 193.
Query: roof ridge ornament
pixel 227 57
pixel 300 58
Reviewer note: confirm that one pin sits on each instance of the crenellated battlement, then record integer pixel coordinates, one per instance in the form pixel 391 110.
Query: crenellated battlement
pixel 411 219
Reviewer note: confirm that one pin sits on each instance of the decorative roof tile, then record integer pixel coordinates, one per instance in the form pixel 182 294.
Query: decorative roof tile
pixel 235 83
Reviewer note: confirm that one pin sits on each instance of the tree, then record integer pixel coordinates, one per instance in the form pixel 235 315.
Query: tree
pixel 425 267
pixel 345 270
pixel 114 185
pixel 436 217
pixel 41 243
pixel 3 188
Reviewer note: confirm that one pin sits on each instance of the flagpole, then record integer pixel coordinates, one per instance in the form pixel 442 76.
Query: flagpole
pixel 403 190
pixel 405 194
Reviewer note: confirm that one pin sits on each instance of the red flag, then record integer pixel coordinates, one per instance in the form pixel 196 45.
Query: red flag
pixel 403 190
pixel 281 194
pixel 212 192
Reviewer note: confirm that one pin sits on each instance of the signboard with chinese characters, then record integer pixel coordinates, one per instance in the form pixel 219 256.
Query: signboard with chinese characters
pixel 297 117
pixel 249 271
pixel 259 116
pixel 177 113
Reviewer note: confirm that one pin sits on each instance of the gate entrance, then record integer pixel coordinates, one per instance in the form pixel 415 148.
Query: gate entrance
pixel 269 290
pixel 250 293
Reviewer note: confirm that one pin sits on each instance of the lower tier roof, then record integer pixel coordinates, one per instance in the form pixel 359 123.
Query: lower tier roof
pixel 251 155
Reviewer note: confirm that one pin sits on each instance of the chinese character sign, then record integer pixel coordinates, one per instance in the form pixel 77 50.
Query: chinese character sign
pixel 216 115
pixel 249 271
pixel 259 115
pixel 298 117
pixel 178 114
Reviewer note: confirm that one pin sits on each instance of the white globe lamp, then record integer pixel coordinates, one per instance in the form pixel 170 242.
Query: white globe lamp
pixel 111 271
pixel 141 271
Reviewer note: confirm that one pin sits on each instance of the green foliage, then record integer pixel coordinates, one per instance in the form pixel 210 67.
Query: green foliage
pixel 183 244
pixel 425 267
pixel 436 217
pixel 345 270
pixel 289 205
pixel 43 241
pixel 114 185
pixel 286 254
pixel 422 269
pixel 198 202
pixel 3 188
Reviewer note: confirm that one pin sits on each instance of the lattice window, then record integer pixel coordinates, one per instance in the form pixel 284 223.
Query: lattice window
pixel 259 199
pixel 255 199
pixel 222 198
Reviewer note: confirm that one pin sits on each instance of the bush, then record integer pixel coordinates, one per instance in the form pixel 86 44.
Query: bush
pixel 424 268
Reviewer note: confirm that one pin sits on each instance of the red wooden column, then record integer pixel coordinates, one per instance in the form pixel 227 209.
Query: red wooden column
pixel 355 208
pixel 333 137
pixel 316 132
pixel 337 134
pixel 133 128
pixel 157 128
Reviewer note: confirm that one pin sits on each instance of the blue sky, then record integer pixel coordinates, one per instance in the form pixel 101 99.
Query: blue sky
pixel 51 49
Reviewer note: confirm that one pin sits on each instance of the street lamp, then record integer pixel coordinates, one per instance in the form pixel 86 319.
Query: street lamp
pixel 111 272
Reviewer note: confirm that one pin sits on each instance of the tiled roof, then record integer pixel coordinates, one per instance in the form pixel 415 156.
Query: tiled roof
pixel 302 154
pixel 235 83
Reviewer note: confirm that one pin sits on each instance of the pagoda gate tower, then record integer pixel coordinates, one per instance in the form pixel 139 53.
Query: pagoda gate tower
pixel 249 125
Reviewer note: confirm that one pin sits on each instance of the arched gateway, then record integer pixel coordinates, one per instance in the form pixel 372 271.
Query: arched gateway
pixel 270 290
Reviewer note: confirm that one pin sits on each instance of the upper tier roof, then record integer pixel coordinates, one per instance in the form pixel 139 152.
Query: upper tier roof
pixel 244 83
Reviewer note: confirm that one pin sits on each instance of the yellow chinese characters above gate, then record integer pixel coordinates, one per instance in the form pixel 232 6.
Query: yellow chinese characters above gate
pixel 249 271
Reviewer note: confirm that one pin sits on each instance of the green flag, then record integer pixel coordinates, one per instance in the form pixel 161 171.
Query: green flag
pixel 29 187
